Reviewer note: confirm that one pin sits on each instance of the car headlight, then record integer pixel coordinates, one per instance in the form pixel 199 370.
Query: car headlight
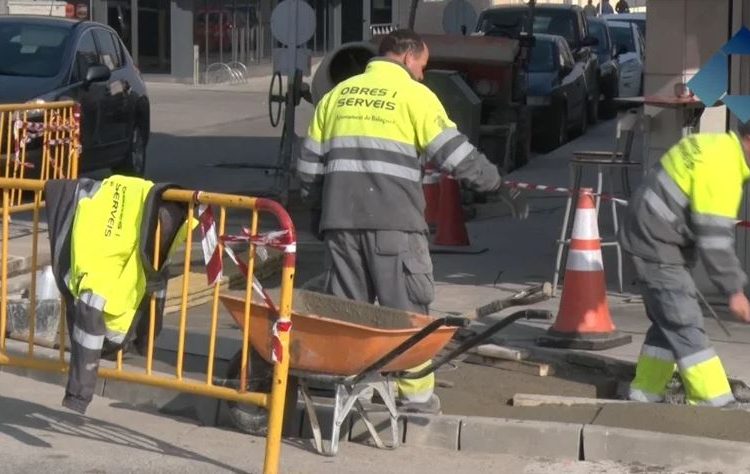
pixel 538 100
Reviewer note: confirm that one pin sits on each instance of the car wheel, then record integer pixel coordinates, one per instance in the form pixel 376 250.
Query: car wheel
pixel 252 419
pixel 135 160
pixel 556 134
pixel 583 122
pixel 593 112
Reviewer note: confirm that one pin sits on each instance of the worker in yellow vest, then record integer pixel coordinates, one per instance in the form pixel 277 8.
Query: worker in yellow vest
pixel 360 165
pixel 687 207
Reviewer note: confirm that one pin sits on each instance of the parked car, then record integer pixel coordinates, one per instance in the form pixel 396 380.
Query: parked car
pixel 631 55
pixel 46 59
pixel 557 92
pixel 568 21
pixel 608 66
pixel 638 19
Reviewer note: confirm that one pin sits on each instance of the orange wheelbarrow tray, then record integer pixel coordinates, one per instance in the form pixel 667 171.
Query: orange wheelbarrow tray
pixel 353 338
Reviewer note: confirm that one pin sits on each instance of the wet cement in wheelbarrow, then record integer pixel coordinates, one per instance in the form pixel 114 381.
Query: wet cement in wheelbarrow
pixel 308 302
pixel 486 391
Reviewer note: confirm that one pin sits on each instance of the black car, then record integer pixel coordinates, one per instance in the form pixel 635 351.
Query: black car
pixel 608 66
pixel 46 59
pixel 568 21
pixel 556 92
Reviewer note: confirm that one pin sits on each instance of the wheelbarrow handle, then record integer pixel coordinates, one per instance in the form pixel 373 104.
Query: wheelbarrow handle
pixel 451 321
pixel 476 340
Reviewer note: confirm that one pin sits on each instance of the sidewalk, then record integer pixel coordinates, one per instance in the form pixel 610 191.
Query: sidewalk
pixel 37 435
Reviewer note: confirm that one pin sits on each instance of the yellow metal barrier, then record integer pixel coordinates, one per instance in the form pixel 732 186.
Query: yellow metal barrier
pixel 274 402
pixel 39 141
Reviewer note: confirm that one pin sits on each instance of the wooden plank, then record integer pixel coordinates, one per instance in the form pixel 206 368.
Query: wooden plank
pixel 500 352
pixel 535 400
pixel 532 368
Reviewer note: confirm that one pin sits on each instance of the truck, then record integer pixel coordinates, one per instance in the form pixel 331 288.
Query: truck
pixel 480 80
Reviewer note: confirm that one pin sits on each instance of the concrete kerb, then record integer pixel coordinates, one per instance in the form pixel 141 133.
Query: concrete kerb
pixel 648 447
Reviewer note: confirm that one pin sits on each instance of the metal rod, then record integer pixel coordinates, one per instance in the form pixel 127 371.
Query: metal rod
pixel 152 304
pixel 712 312
pixel 215 305
pixel 185 289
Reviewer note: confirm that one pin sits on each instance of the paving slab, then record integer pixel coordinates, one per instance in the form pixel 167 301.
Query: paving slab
pixel 521 437
pixel 646 447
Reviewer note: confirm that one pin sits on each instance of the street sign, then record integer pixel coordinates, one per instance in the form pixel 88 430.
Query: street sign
pixel 459 18
pixel 293 22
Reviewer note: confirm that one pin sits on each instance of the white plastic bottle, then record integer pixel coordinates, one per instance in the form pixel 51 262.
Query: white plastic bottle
pixel 46 288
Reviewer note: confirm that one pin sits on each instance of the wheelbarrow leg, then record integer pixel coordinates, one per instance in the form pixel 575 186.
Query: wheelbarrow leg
pixel 313 416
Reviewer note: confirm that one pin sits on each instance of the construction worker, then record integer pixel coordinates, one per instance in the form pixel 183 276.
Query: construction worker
pixel 687 207
pixel 360 169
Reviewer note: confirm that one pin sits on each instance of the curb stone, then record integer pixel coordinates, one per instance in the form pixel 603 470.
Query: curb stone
pixel 647 447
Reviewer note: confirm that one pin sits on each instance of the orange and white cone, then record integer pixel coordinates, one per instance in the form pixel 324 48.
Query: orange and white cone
pixel 584 321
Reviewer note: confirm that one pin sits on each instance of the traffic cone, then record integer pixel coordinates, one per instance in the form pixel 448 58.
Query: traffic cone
pixel 431 188
pixel 451 236
pixel 583 321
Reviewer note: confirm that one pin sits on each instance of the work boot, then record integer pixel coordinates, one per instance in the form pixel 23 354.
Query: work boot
pixel 430 407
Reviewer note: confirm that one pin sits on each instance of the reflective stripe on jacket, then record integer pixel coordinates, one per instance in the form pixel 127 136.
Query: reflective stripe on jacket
pixel 689 202
pixel 362 159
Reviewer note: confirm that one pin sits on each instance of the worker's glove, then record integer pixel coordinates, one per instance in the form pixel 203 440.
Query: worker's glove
pixel 515 200
pixel 315 215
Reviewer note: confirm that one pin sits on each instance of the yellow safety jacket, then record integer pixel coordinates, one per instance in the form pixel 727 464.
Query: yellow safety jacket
pixel 689 202
pixel 106 263
pixel 362 159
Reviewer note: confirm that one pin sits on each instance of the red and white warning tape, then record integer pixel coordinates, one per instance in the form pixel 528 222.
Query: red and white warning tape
pixel 558 189
pixel 212 253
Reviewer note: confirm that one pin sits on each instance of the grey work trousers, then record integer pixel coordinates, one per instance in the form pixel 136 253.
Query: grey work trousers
pixel 390 267
pixel 676 336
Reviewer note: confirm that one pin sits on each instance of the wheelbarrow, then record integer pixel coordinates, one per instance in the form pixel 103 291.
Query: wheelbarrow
pixel 356 347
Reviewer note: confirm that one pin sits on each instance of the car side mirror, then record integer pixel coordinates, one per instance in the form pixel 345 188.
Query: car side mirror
pixel 97 73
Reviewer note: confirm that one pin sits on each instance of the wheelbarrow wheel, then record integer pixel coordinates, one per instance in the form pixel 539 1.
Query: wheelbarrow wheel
pixel 253 419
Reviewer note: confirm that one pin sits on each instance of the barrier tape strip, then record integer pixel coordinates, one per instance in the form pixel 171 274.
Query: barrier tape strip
pixel 212 255
pixel 604 196
pixel 558 189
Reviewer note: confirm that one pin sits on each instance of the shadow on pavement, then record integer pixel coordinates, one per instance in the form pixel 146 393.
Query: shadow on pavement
pixel 19 415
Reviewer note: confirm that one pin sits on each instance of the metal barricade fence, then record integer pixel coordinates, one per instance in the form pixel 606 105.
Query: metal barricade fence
pixel 273 402
pixel 39 141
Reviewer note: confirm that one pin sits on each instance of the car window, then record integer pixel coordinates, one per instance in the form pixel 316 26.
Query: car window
pixel 599 31
pixel 623 36
pixel 542 57
pixel 510 22
pixel 86 55
pixel 32 50
pixel 109 53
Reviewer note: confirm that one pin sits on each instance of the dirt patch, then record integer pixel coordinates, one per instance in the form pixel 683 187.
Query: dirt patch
pixel 351 311
pixel 486 391
pixel 729 425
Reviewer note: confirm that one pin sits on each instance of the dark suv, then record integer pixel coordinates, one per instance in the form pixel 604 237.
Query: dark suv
pixel 567 21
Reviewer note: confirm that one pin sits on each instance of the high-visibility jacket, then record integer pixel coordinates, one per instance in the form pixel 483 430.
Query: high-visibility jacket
pixel 101 242
pixel 361 162
pixel 688 204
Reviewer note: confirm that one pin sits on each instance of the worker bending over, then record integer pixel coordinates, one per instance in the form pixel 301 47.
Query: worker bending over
pixel 687 206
